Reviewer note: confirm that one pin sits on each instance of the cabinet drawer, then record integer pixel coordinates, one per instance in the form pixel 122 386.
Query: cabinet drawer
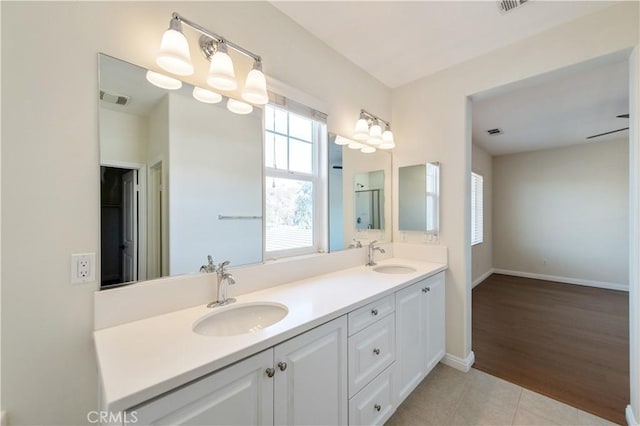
pixel 373 405
pixel 367 315
pixel 370 352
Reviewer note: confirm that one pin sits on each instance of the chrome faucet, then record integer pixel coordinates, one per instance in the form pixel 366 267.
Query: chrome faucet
pixel 372 249
pixel 223 278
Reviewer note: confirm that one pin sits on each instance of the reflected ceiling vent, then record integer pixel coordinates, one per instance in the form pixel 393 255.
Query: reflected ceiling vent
pixel 113 98
pixel 505 6
pixel 493 132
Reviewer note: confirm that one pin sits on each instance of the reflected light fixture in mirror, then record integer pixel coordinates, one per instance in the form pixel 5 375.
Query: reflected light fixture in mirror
pixel 174 57
pixel 239 107
pixel 368 128
pixel 163 81
pixel 206 96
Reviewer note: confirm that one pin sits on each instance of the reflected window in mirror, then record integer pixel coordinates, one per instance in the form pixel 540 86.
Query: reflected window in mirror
pixel 419 198
pixel 293 207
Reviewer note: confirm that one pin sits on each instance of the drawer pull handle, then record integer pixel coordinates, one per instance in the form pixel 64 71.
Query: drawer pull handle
pixel 374 312
pixel 270 372
pixel 377 407
pixel 282 366
pixel 376 351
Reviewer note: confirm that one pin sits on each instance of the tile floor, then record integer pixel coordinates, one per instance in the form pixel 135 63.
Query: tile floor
pixel 450 397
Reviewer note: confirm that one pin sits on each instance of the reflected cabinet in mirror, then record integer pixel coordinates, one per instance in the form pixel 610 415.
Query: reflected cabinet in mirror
pixel 359 195
pixel 419 198
pixel 180 179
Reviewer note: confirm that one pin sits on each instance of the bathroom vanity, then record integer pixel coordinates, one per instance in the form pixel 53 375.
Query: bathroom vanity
pixel 352 346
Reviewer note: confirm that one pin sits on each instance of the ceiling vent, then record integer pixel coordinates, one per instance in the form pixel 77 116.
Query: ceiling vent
pixel 505 6
pixel 493 132
pixel 114 99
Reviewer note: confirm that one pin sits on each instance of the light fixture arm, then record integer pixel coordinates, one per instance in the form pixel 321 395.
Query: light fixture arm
pixel 215 37
pixel 373 117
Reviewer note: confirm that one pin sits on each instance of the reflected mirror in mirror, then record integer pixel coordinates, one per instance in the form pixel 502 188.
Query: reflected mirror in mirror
pixel 369 200
pixel 351 173
pixel 419 198
pixel 180 179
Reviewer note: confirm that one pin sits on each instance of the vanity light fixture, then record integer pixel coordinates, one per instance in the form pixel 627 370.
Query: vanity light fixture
pixel 350 143
pixel 174 57
pixel 369 129
pixel 163 81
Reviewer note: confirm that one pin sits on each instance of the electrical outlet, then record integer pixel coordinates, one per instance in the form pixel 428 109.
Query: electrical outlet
pixel 83 268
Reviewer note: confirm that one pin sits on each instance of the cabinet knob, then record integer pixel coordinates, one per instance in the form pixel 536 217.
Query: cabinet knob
pixel 428 289
pixel 282 366
pixel 424 289
pixel 377 407
pixel 270 372
pixel 374 312
pixel 376 351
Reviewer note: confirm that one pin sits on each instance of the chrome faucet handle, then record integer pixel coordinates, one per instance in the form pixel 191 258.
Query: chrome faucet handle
pixel 223 265
pixel 210 266
pixel 373 242
pixel 355 243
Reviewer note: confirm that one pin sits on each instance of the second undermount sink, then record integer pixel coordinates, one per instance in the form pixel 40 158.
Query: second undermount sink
pixel 394 269
pixel 240 319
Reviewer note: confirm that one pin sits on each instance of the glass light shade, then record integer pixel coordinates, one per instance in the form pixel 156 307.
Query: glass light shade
pixel 361 132
pixel 367 149
pixel 354 145
pixel 221 74
pixel 163 81
pixel 174 55
pixel 340 140
pixel 206 96
pixel 375 134
pixel 255 88
pixel 239 107
pixel 387 137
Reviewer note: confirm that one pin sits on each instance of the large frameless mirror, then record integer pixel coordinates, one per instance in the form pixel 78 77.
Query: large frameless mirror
pixel 180 179
pixel 359 195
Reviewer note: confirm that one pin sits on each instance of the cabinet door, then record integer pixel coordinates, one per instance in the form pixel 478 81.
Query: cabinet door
pixel 435 320
pixel 311 377
pixel 238 395
pixel 411 337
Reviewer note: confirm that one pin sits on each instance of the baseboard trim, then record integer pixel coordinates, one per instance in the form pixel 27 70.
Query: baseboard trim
pixel 462 364
pixel 576 281
pixel 482 277
pixel 628 414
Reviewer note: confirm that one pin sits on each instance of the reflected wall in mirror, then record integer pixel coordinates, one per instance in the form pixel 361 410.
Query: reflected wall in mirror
pixel 419 198
pixel 180 179
pixel 351 173
pixel 369 200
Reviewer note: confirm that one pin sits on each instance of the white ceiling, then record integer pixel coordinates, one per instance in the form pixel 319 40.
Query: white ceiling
pixel 554 110
pixel 398 42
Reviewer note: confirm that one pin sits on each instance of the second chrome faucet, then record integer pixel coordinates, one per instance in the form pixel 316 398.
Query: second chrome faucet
pixel 223 278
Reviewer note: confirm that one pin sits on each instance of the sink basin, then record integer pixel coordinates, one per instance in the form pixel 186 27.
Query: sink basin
pixel 240 319
pixel 394 269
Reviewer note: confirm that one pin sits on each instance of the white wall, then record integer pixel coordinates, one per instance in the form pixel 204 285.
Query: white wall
pixel 482 254
pixel 215 155
pixel 432 122
pixel 124 137
pixel 49 372
pixel 564 212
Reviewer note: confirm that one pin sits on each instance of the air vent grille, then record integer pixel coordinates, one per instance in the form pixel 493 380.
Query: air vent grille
pixel 113 98
pixel 505 6
pixel 494 132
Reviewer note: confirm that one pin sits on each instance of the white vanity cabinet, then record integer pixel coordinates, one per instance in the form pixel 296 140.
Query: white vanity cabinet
pixel 420 338
pixel 300 381
pixel 371 362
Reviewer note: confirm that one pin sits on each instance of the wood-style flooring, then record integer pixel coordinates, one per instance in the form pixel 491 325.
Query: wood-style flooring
pixel 565 341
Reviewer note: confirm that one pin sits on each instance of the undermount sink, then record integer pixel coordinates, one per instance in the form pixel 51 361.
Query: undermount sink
pixel 394 269
pixel 240 319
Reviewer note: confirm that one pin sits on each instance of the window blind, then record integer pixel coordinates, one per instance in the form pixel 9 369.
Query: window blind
pixel 477 208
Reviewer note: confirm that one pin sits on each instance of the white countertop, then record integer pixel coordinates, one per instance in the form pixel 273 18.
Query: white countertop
pixel 143 359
